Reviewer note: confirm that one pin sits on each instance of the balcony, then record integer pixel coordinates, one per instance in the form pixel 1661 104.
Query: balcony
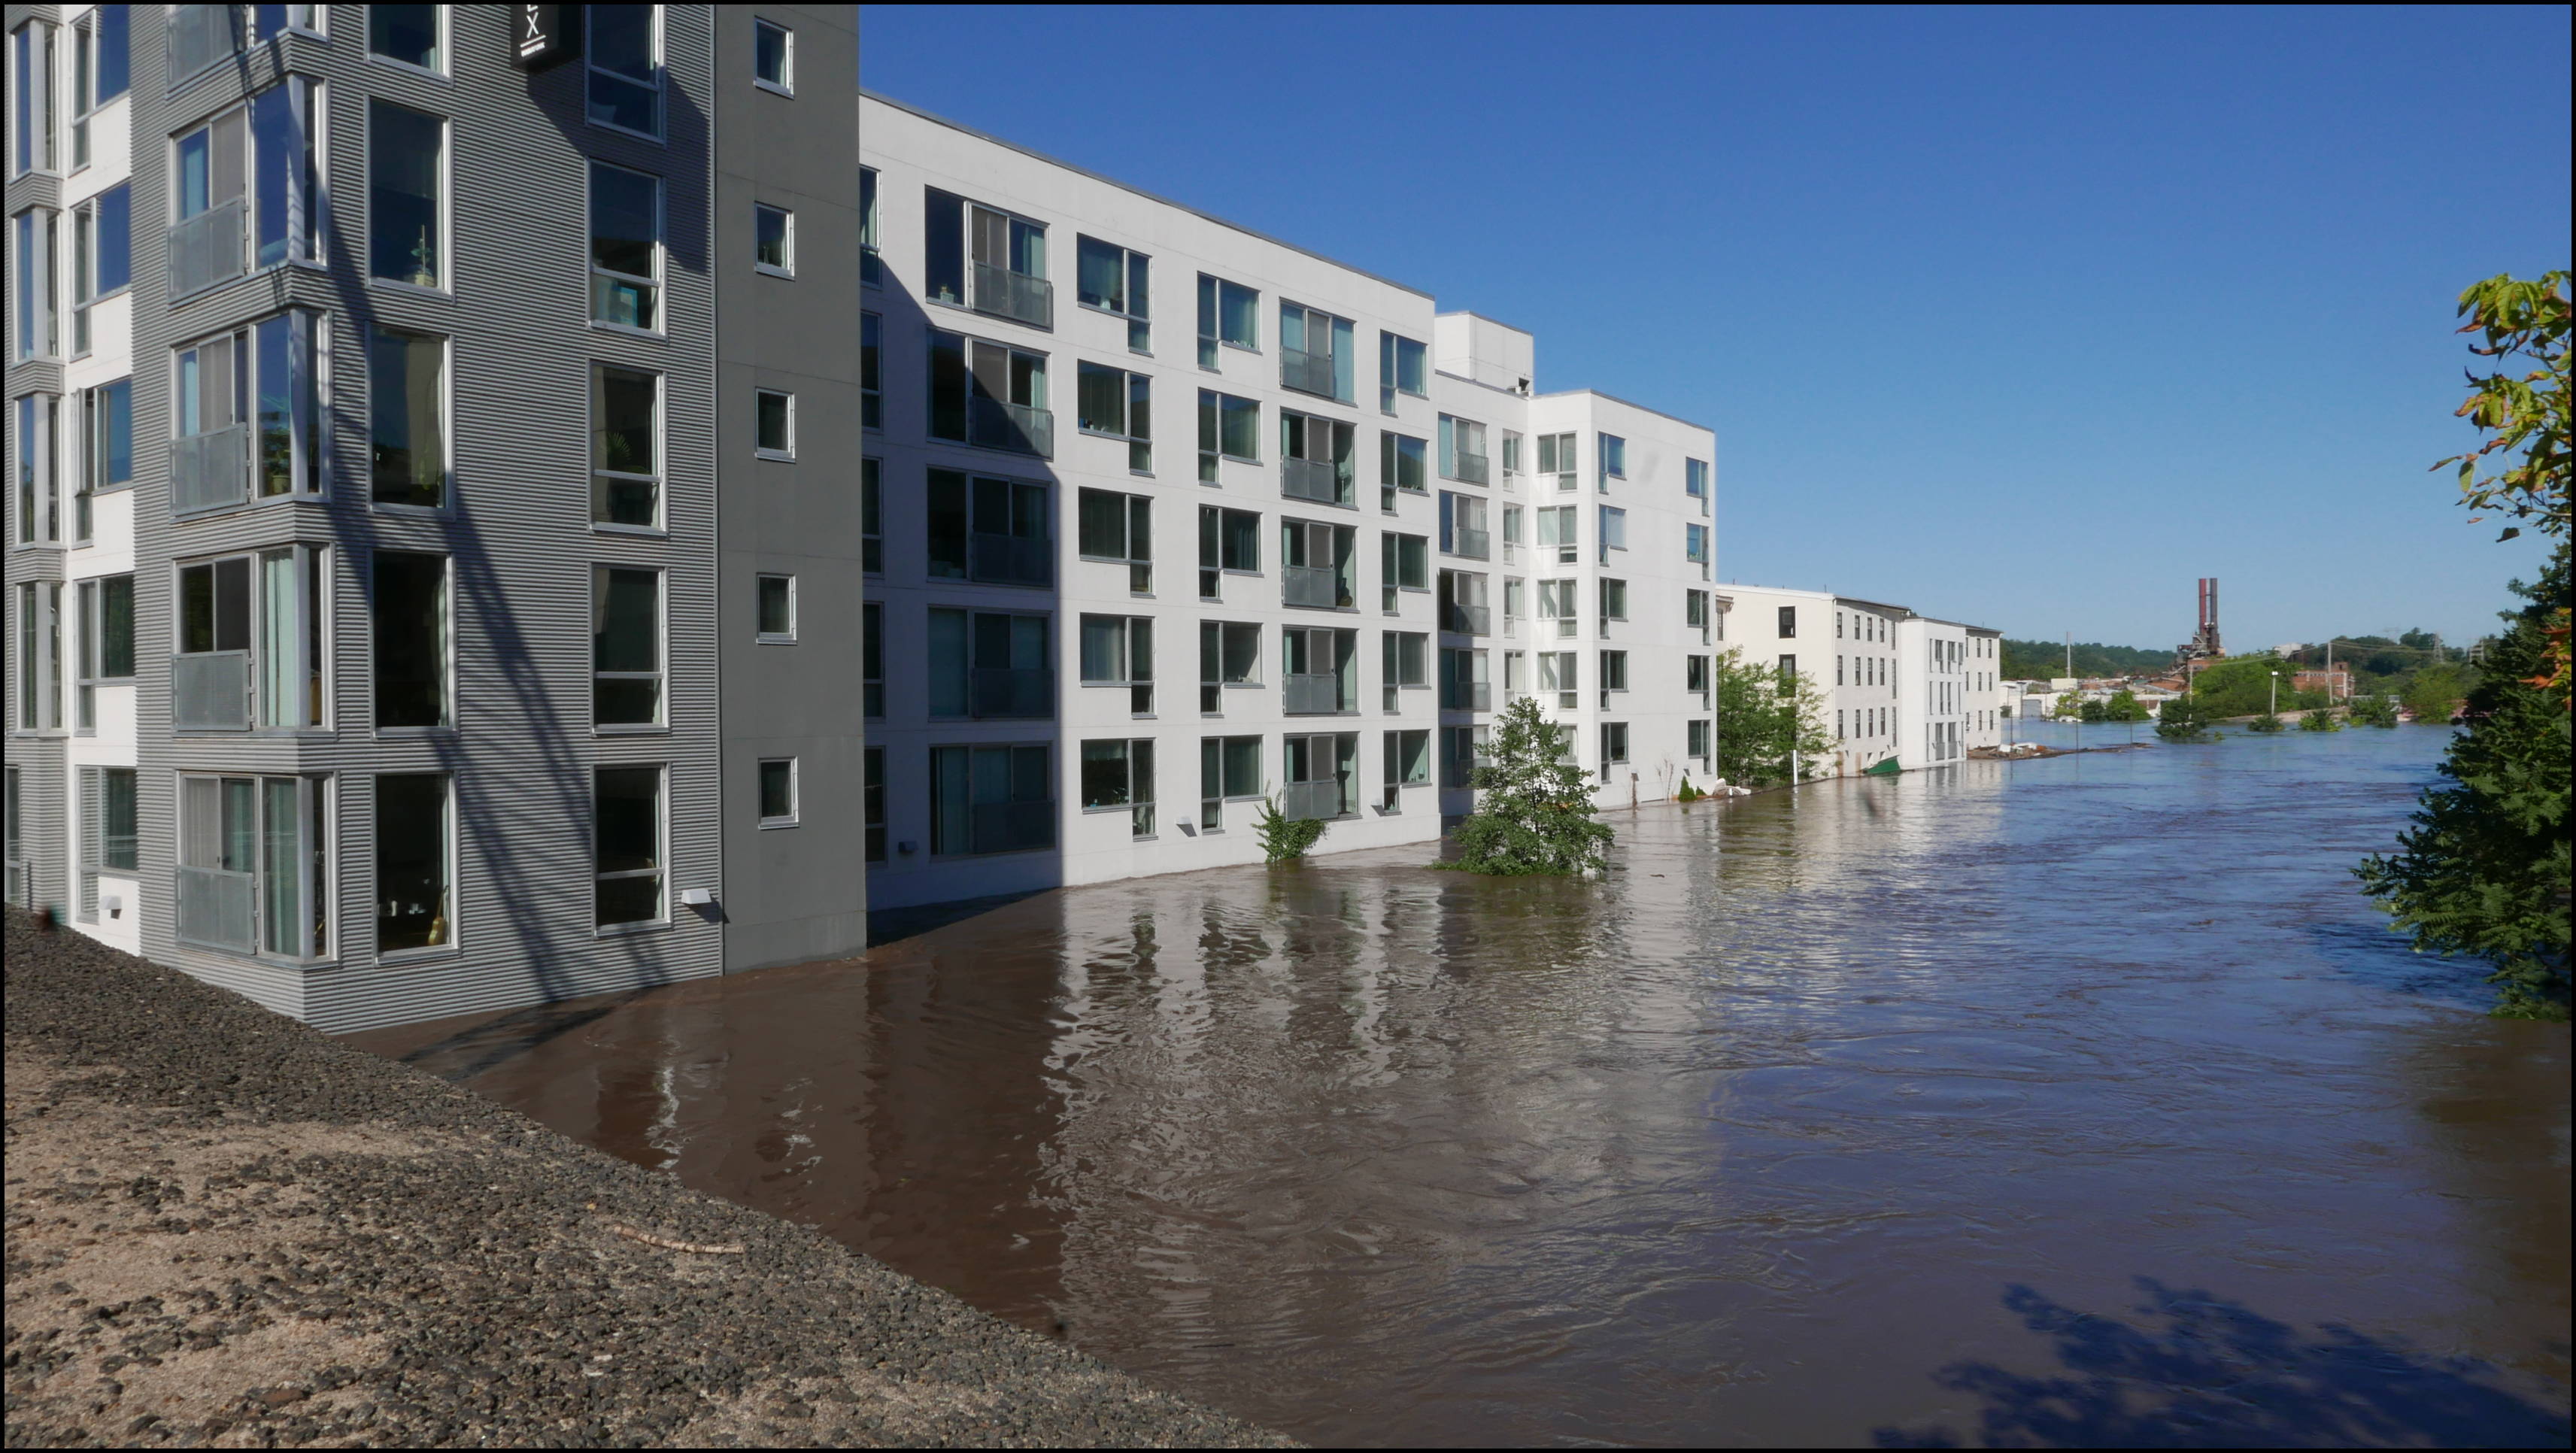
pixel 1300 800
pixel 993 424
pixel 1472 620
pixel 1314 694
pixel 1474 468
pixel 210 692
pixel 1466 696
pixel 1009 560
pixel 1313 585
pixel 218 909
pixel 210 470
pixel 1025 693
pixel 1015 295
pixel 207 249
pixel 1310 373
pixel 1474 544
pixel 200 35
pixel 1009 827
pixel 1319 480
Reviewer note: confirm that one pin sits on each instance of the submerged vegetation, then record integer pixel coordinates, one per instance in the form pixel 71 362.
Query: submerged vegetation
pixel 1535 812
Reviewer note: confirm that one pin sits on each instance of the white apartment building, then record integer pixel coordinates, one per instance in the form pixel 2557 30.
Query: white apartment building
pixel 1895 684
pixel 1169 517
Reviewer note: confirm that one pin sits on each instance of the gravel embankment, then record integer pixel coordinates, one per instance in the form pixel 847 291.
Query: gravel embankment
pixel 223 1228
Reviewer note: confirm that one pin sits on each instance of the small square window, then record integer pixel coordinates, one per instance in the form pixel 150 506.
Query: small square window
pixel 773 57
pixel 774 435
pixel 774 240
pixel 778 608
pixel 778 792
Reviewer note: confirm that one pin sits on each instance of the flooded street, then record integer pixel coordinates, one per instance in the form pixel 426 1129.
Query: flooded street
pixel 2080 1101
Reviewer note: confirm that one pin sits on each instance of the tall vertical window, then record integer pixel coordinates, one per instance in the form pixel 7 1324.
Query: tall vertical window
pixel 871 371
pixel 35 494
pixel 102 255
pixel 626 646
pixel 625 247
pixel 1407 663
pixel 1119 527
pixel 990 664
pixel 32 239
pixel 1401 465
pixel 1229 771
pixel 412 636
pixel 773 240
pixel 1695 547
pixel 1462 526
pixel 1614 746
pixel 773 57
pixel 294 595
pixel 100 55
pixel 1558 673
pixel 996 531
pixel 986 259
pixel 254 869
pixel 872 659
pixel 626 449
pixel 1408 764
pixel 874 794
pixel 626 846
pixel 872 515
pixel 1513 461
pixel 1400 370
pixel 247 187
pixel 106 640
pixel 246 410
pixel 1614 531
pixel 40 656
pixel 414 826
pixel 625 68
pixel 989 395
pixel 31 85
pixel 773 421
pixel 1556 602
pixel 1404 564
pixel 1614 600
pixel 1556 535
pixel 1228 540
pixel 1462 451
pixel 1315 460
pixel 991 799
pixel 1556 456
pixel 1315 565
pixel 1119 405
pixel 1229 315
pixel 407 418
pixel 406 188
pixel 1229 428
pixel 1315 353
pixel 871 233
pixel 1119 774
pixel 409 34
pixel 1113 279
pixel 108 836
pixel 1695 481
pixel 1119 651
pixel 1614 459
pixel 1229 655
pixel 1322 775
pixel 1788 622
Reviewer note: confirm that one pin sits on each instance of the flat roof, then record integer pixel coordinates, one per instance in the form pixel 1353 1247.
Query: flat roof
pixel 1625 403
pixel 909 109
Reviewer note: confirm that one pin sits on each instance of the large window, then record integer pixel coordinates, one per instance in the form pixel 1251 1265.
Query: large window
pixel 1315 565
pixel 101 56
pixel 625 66
pixel 626 449
pixel 990 664
pixel 1229 771
pixel 1407 663
pixel 1462 451
pixel 1119 651
pixel 108 833
pixel 871 265
pixel 415 827
pixel 1400 370
pixel 35 495
pixel 1113 279
pixel 1229 540
pixel 989 395
pixel 407 417
pixel 1229 428
pixel 1404 564
pixel 1614 531
pixel 872 659
pixel 871 371
pixel 773 240
pixel 1322 774
pixel 626 847
pixel 1695 477
pixel 1559 672
pixel 1464 682
pixel 1229 655
pixel 1319 670
pixel 409 34
pixel 1556 535
pixel 1464 605
pixel 1556 456
pixel 994 531
pixel 32 240
pixel 406 191
pixel 1315 353
pixel 1614 746
pixel 1614 459
pixel 246 409
pixel 1119 527
pixel 1556 602
pixel 1408 764
pixel 254 871
pixel 1119 774
pixel 1695 547
pixel 1614 602
pixel 246 186
pixel 412 635
pixel 106 641
pixel 31 87
pixel 986 259
pixel 102 255
pixel 1119 405
pixel 1315 458
pixel 1229 316
pixel 625 247
pixel 626 646
pixel 252 634
pixel 994 799
pixel 773 57
pixel 1463 526
pixel 1400 467
pixel 874 793
pixel 40 657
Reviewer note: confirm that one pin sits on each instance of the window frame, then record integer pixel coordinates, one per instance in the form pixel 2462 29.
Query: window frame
pixel 1212 334
pixel 659 871
pixel 659 85
pixel 776 455
pixel 871 515
pixel 88 249
pixel 598 273
pixel 785 85
pixel 447 857
pixel 317 882
pixel 445 286
pixel 1390 368
pixel 660 675
pixel 871 372
pixel 760 211
pixel 446 421
pixel 760 609
pixel 871 230
pixel 1140 446
pixel 1216 407
pixel 1140 811
pixel 760 786
pixel 1139 321
pixel 600 368
pixel 443 47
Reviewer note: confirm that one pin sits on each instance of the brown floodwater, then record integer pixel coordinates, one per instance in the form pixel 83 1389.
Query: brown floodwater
pixel 2075 1102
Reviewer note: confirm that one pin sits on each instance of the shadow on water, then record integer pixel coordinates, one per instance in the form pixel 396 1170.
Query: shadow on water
pixel 2201 1371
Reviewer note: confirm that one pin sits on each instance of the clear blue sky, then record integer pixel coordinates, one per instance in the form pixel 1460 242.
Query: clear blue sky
pixel 2020 317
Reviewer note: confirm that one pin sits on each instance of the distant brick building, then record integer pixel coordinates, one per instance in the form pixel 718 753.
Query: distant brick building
pixel 2338 683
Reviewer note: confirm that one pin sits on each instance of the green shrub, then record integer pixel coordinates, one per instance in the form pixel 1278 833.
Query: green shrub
pixel 2320 719
pixel 2267 724
pixel 1536 812
pixel 1284 839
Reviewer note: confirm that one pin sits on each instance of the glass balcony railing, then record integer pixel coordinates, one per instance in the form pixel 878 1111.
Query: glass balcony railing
pixel 1313 585
pixel 993 424
pixel 1010 827
pixel 1016 295
pixel 1473 620
pixel 1009 560
pixel 200 35
pixel 1026 693
pixel 1474 544
pixel 216 908
pixel 1315 695
pixel 207 249
pixel 210 470
pixel 210 692
pixel 1467 695
pixel 1311 800
pixel 1315 479
pixel 1307 372
pixel 1474 468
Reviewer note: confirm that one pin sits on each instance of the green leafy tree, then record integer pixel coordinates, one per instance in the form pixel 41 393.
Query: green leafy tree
pixel 2433 693
pixel 2125 706
pixel 2267 724
pixel 2182 720
pixel 2485 870
pixel 2070 707
pixel 2046 660
pixel 1763 715
pixel 2378 711
pixel 2319 719
pixel 2526 421
pixel 1536 812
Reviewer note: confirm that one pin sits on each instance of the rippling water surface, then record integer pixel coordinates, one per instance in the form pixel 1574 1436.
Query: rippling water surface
pixel 2070 1102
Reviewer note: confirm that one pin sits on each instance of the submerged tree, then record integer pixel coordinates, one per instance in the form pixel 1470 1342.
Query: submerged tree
pixel 2485 870
pixel 2183 720
pixel 2267 723
pixel 2378 711
pixel 1764 715
pixel 2320 719
pixel 1536 812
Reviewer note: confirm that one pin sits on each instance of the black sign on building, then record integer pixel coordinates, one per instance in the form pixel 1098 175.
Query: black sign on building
pixel 545 35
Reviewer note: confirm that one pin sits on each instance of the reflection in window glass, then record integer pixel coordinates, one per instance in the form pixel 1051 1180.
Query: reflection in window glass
pixel 404 151
pixel 627 844
pixel 411 862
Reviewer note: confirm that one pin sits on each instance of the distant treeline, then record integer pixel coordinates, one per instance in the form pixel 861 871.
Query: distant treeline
pixel 2042 660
